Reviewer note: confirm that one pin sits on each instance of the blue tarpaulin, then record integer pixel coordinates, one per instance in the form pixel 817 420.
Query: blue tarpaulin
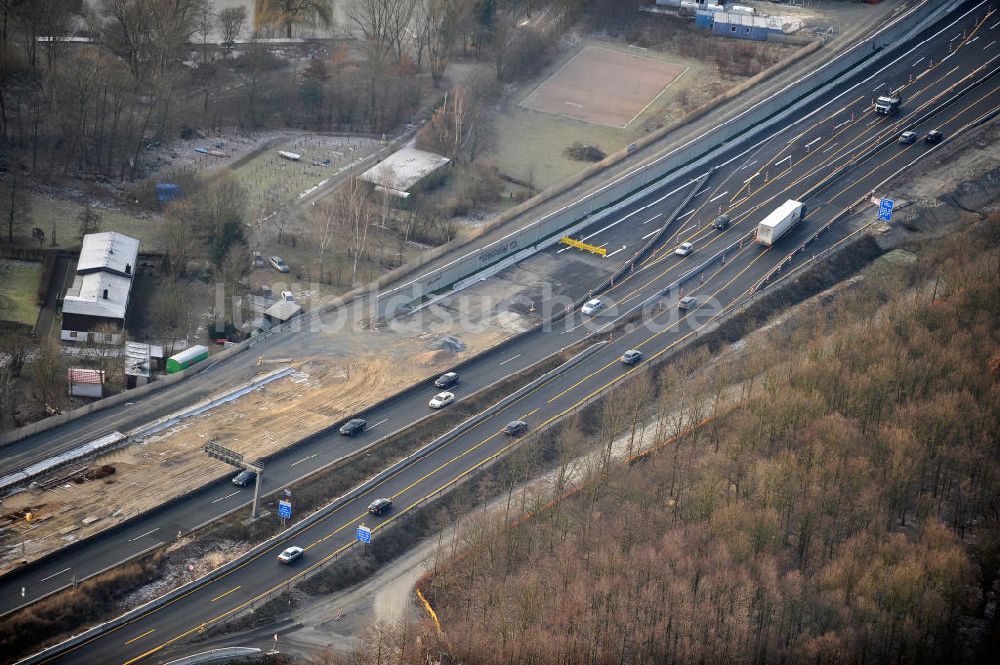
pixel 167 192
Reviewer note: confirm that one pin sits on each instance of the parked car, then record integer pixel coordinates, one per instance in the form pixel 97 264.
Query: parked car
pixel 515 427
pixel 592 307
pixel 278 264
pixel 721 222
pixel 684 249
pixel 687 302
pixel 353 426
pixel 290 554
pixel 442 400
pixel 631 357
pixel 244 478
pixel 906 138
pixel 380 506
pixel 447 380
pixel 933 136
pixel 257 261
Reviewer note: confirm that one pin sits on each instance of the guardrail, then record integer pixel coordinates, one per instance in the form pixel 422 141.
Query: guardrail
pixel 316 516
pixel 676 163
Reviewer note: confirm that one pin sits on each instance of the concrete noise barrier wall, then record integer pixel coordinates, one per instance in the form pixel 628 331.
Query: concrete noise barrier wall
pixel 674 164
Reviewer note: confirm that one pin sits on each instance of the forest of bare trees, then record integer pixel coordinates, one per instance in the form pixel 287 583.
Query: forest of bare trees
pixel 838 503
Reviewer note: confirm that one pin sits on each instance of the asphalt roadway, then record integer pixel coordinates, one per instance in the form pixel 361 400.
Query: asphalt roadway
pixel 758 174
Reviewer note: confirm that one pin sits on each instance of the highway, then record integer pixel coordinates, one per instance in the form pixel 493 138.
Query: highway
pixel 757 175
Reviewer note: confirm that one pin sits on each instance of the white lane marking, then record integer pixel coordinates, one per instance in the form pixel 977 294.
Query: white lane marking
pixel 650 234
pixel 719 196
pixel 608 256
pixel 786 158
pixel 132 540
pixel 872 122
pixel 659 214
pixel 955 37
pixel 748 165
pixel 511 358
pixel 634 212
pixel 994 25
pixel 371 427
pixel 879 87
pixel 845 91
pixel 222 498
pixel 830 148
pixel 304 459
pixel 54 574
pixel 990 44
pixel 918 62
pixel 818 138
pixel 689 212
pixel 973 39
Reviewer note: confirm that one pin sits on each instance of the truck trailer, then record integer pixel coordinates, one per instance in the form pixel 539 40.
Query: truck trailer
pixel 778 222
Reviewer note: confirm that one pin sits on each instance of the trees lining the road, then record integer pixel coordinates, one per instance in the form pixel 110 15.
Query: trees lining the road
pixel 845 513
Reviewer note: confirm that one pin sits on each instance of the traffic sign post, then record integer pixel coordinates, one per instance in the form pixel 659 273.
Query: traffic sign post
pixel 284 510
pixel 364 534
pixel 885 209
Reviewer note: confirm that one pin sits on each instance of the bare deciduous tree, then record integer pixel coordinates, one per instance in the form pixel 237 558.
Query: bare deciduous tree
pixel 384 24
pixel 231 23
pixel 285 14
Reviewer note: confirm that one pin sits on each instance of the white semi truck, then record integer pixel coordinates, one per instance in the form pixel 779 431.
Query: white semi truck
pixel 778 222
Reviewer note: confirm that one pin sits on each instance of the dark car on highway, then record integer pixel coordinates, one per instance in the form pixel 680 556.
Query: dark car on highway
pixel 244 478
pixel 380 506
pixel 515 427
pixel 447 380
pixel 933 136
pixel 353 426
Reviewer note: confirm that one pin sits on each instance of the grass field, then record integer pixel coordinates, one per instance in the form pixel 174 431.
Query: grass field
pixel 530 143
pixel 18 291
pixel 46 211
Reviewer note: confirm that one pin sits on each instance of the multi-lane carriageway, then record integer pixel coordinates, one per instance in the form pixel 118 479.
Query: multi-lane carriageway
pixel 757 176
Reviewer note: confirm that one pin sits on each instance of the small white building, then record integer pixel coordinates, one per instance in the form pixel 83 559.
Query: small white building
pixel 405 171
pixel 101 288
pixel 85 382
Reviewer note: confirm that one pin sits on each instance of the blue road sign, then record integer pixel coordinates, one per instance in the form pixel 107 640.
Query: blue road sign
pixel 285 509
pixel 885 209
pixel 364 534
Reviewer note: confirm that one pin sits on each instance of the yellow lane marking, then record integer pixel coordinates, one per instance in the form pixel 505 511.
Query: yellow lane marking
pixel 139 637
pixel 223 595
pixel 341 549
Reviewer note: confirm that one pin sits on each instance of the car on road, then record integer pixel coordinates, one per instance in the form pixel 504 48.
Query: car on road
pixel 442 400
pixel 721 223
pixel 244 478
pixel 290 554
pixel 592 307
pixel 631 357
pixel 380 506
pixel 353 426
pixel 278 263
pixel 687 302
pixel 684 249
pixel 933 136
pixel 515 427
pixel 906 138
pixel 447 380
